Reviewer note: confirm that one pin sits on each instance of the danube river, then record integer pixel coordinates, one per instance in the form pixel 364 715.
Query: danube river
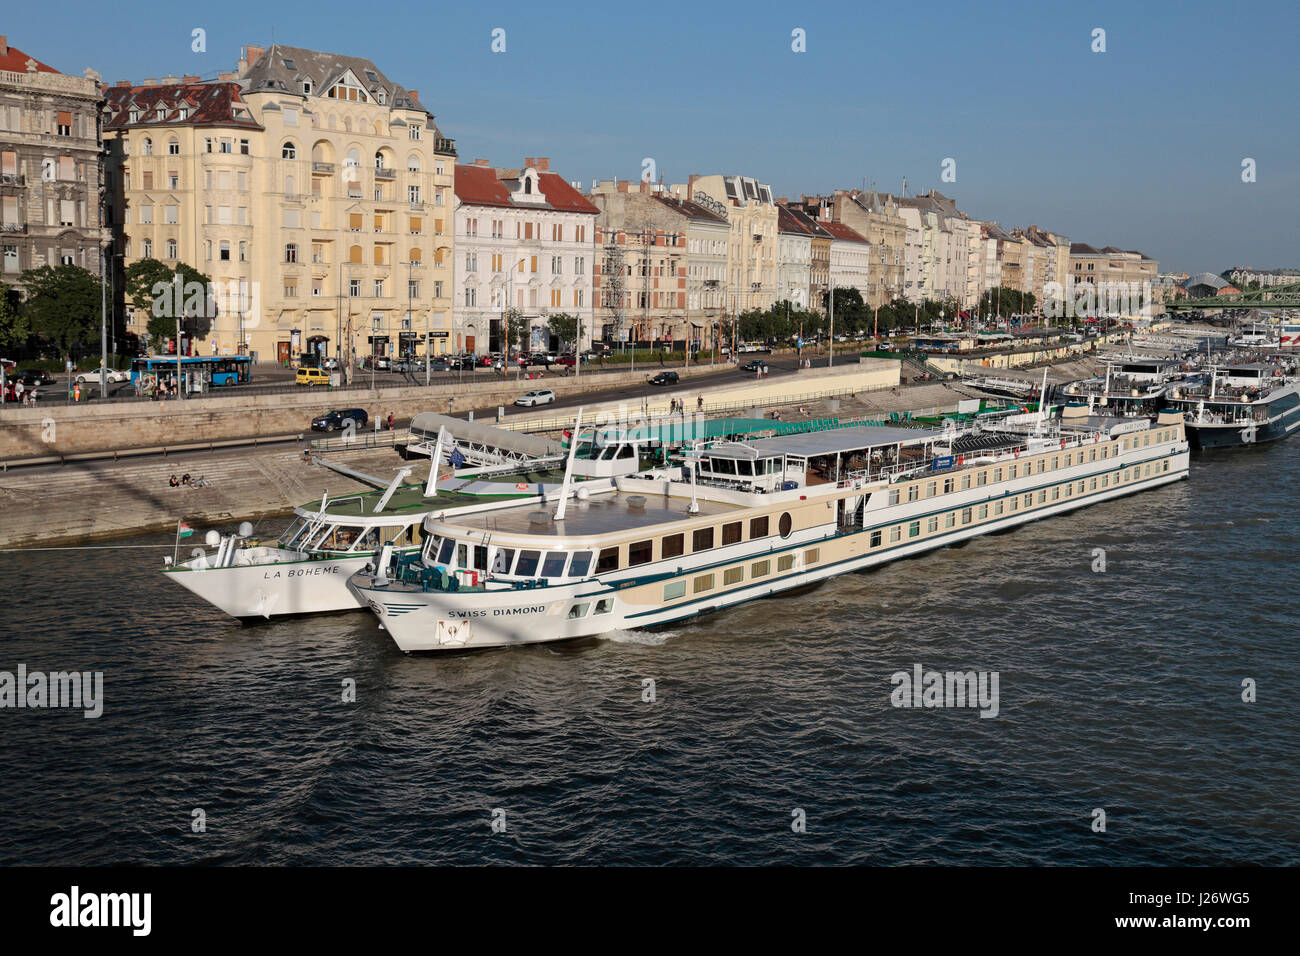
pixel 1119 690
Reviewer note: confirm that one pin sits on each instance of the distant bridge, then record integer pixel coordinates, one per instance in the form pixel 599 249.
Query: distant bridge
pixel 1274 297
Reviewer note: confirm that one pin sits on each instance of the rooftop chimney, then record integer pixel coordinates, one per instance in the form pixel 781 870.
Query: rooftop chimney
pixel 481 162
pixel 189 78
pixel 224 77
pixel 529 161
pixel 622 185
pixel 544 164
pixel 170 81
pixel 415 94
pixel 4 45
pixel 123 83
pixel 253 53
pixel 152 81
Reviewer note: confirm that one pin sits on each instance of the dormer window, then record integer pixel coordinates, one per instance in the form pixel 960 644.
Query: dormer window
pixel 306 87
pixel 162 113
pixel 135 116
pixel 349 89
pixel 528 185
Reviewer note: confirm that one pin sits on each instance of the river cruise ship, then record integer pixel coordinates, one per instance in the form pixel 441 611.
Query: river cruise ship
pixel 306 570
pixel 744 520
pixel 1236 406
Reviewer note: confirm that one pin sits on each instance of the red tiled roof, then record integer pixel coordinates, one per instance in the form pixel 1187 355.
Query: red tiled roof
pixel 15 61
pixel 483 186
pixel 562 196
pixel 213 104
pixel 840 231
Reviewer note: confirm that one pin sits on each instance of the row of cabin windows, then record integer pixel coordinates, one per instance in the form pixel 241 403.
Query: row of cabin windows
pixel 997 475
pixel 703 583
pixel 702 539
pixel 301 537
pixel 996 509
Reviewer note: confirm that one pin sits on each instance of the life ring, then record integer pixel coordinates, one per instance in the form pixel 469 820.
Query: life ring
pixel 960 459
pixel 522 486
pixel 1062 442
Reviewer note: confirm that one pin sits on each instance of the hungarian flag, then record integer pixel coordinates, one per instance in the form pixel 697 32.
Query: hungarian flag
pixel 183 530
pixel 565 437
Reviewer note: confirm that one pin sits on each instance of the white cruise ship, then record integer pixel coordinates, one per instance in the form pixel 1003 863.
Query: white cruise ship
pixel 745 520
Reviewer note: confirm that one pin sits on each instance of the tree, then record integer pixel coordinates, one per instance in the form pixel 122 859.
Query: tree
pixel 564 327
pixel 63 304
pixel 516 326
pixel 150 282
pixel 1006 301
pixel 14 327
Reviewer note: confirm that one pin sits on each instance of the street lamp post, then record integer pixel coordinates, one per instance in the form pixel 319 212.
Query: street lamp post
pixel 830 344
pixel 103 328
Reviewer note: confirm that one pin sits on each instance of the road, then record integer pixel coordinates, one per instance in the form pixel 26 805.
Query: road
pixel 273 376
pixel 782 367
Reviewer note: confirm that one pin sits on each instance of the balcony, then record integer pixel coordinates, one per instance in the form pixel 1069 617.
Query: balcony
pixel 383 172
pixel 443 145
pixel 13 227
pixel 416 206
pixel 325 169
pixel 13 179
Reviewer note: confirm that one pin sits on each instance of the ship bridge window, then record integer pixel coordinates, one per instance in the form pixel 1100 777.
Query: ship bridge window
pixel 445 551
pixel 503 560
pixel 758 527
pixel 626 451
pixel 293 532
pixel 338 538
pixel 608 561
pixel 553 565
pixel 462 555
pixel 724 466
pixel 527 563
pixel 480 557
pixel 580 564
pixel 745 468
pixel 368 540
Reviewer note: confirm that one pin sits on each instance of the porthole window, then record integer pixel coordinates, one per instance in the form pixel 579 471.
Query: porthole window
pixel 785 525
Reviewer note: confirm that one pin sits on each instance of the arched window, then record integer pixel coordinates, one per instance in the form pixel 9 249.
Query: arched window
pixel 413 163
pixel 289 151
pixel 291 252
pixel 415 255
pixel 148 146
pixel 171 248
pixel 528 184
pixel 243 252
pixel 379 161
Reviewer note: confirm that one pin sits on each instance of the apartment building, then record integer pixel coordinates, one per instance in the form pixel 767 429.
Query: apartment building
pixel 672 254
pixel 525 240
pixel 751 213
pixel 50 167
pixel 313 190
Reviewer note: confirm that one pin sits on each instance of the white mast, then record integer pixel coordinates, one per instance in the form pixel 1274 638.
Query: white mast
pixel 431 486
pixel 568 469
pixel 1042 403
pixel 392 488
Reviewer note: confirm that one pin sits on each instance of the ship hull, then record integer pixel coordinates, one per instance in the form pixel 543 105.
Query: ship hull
pixel 1283 419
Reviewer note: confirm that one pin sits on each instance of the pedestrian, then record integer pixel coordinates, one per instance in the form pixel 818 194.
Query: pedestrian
pixel 699 404
pixel 76 392
pixel 186 479
pixel 18 391
pixel 390 421
pixel 174 482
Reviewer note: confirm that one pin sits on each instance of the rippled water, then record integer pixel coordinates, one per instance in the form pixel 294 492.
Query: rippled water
pixel 1118 690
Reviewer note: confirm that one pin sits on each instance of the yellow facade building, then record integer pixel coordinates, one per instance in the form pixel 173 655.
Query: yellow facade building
pixel 315 193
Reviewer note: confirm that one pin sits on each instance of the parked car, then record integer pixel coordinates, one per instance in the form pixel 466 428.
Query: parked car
pixel 312 376
pixel 754 365
pixel 330 363
pixel 401 365
pixel 438 365
pixel 33 376
pixel 568 360
pixel 541 358
pixel 115 375
pixel 664 378
pixel 339 418
pixel 538 396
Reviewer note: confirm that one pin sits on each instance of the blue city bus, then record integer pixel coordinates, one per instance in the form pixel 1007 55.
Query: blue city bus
pixel 214 370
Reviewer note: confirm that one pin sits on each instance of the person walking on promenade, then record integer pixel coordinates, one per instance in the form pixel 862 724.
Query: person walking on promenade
pixel 699 404
pixel 76 392
pixel 390 421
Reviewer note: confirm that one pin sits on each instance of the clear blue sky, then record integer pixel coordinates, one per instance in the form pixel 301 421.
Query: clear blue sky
pixel 1140 146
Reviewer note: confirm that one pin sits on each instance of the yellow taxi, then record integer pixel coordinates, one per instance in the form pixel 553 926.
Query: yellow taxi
pixel 312 376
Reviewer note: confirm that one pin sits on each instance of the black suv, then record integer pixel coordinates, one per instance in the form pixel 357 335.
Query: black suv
pixel 664 378
pixel 332 421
